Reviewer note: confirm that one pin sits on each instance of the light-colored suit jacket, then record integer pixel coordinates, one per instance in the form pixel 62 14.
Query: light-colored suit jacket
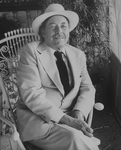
pixel 42 92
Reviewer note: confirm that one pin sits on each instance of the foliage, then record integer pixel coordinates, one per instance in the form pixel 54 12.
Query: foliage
pixel 91 35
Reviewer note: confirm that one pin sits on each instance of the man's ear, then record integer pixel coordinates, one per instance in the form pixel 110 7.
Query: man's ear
pixel 42 33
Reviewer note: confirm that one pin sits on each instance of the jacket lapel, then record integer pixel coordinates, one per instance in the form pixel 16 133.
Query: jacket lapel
pixel 48 61
pixel 73 59
pixel 76 74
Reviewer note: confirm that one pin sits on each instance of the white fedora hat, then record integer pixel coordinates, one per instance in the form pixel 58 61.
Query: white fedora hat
pixel 55 9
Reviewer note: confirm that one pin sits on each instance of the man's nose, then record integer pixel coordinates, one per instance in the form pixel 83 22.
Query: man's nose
pixel 58 29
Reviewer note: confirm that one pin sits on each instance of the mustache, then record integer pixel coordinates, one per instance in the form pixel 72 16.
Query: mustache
pixel 59 35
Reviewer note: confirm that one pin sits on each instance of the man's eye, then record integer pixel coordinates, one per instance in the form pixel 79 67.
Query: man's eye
pixel 52 27
pixel 64 26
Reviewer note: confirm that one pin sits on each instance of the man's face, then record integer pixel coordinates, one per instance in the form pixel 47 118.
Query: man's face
pixel 56 32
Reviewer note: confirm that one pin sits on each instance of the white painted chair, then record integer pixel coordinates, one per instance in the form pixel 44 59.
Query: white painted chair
pixel 10 50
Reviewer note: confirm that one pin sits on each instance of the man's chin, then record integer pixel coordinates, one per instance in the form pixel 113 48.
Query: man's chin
pixel 61 43
pixel 60 46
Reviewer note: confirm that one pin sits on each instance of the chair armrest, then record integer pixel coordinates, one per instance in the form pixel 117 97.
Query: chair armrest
pixel 15 134
pixel 97 106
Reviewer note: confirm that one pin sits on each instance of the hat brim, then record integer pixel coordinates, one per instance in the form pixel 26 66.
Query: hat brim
pixel 72 17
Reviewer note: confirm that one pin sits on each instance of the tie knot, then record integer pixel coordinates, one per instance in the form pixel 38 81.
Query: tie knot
pixel 58 55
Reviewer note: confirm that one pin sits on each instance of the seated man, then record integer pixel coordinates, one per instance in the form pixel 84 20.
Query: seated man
pixel 56 90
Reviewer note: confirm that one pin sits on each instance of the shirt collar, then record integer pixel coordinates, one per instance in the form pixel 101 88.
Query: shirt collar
pixel 63 50
pixel 53 51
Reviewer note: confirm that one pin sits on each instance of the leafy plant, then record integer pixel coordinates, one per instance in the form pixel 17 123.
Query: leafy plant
pixel 91 35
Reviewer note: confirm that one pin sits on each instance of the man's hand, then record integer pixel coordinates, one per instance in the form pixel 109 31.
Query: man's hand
pixel 77 114
pixel 77 124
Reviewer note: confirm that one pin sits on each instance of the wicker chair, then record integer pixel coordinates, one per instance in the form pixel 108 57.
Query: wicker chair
pixel 10 50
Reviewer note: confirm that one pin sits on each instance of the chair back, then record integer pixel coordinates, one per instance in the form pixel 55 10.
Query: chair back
pixel 10 48
pixel 10 51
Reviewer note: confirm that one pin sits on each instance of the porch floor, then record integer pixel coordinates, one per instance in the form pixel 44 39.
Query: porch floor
pixel 105 124
pixel 107 129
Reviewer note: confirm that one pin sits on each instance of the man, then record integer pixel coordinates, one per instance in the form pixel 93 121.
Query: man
pixel 55 100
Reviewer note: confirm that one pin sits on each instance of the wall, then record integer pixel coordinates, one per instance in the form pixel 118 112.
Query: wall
pixel 115 43
pixel 115 27
pixel 116 86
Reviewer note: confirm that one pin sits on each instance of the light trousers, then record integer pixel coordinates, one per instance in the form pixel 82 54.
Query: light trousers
pixel 63 137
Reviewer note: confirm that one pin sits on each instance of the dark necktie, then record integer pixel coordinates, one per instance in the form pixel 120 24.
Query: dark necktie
pixel 62 71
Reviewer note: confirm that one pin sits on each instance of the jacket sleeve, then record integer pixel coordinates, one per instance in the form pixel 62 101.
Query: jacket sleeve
pixel 32 92
pixel 86 96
